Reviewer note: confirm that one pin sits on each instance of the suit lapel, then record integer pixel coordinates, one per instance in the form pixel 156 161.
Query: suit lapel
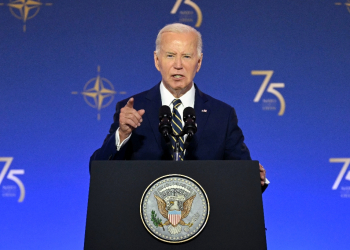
pixel 153 103
pixel 202 109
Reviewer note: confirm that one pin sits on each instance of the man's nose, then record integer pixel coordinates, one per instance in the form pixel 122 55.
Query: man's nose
pixel 178 63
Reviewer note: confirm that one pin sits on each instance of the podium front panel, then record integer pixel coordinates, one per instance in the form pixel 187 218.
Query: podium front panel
pixel 236 219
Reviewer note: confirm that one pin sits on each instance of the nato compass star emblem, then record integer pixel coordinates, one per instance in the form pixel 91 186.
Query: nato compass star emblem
pixel 347 4
pixel 98 93
pixel 25 9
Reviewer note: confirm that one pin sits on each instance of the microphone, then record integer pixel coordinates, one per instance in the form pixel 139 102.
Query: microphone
pixel 189 117
pixel 165 121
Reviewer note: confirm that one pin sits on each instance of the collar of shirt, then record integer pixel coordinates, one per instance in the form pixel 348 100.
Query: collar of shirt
pixel 187 99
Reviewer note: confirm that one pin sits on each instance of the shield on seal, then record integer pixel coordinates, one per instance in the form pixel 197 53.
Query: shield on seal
pixel 174 217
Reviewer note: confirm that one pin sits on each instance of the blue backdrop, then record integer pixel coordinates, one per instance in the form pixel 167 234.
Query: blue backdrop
pixel 65 64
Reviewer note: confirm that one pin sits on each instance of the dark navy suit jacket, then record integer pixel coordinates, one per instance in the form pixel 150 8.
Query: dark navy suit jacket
pixel 218 136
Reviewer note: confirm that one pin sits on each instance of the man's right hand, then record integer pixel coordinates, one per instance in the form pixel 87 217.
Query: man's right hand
pixel 129 119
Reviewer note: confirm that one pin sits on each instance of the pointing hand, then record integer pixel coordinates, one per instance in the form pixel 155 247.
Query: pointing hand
pixel 129 119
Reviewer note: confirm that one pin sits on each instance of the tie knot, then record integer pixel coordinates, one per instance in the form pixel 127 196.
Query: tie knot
pixel 176 102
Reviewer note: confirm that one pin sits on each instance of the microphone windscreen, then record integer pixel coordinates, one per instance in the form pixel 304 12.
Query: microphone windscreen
pixel 164 110
pixel 189 112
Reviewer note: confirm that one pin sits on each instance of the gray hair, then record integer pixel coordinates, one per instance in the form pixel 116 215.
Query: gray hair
pixel 179 28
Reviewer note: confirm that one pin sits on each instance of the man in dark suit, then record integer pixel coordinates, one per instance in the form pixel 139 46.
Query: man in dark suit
pixel 134 134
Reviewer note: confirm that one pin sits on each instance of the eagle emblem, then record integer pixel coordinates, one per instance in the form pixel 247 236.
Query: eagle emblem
pixel 174 208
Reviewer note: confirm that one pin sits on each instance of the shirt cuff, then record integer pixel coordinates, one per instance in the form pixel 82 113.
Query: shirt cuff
pixel 267 182
pixel 117 140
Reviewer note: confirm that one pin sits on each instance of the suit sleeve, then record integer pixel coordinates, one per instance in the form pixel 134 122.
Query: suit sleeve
pixel 108 151
pixel 235 148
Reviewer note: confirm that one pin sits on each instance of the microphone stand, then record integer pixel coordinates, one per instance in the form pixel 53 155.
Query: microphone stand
pixel 188 140
pixel 167 139
pixel 177 152
pixel 176 155
pixel 165 128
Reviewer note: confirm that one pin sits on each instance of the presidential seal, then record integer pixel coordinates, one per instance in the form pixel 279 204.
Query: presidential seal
pixel 174 208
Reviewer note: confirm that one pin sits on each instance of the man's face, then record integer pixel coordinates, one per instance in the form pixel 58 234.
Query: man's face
pixel 178 61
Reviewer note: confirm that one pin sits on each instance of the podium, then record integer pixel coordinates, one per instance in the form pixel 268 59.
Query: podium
pixel 236 219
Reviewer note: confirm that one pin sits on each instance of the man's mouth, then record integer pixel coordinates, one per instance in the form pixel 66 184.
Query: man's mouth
pixel 177 76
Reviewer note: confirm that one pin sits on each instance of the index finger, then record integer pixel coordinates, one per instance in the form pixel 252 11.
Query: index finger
pixel 130 103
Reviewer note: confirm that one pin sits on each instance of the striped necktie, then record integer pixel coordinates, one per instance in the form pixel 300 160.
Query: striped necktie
pixel 176 123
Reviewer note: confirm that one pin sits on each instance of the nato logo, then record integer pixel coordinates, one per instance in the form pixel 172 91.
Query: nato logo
pixel 343 174
pixel 98 93
pixel 269 104
pixel 25 9
pixel 186 16
pixel 7 189
pixel 347 4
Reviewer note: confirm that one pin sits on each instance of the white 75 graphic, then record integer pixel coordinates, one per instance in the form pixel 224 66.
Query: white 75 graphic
pixel 341 174
pixel 193 5
pixel 271 89
pixel 12 175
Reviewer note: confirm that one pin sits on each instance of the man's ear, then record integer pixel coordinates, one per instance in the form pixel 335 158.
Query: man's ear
pixel 156 60
pixel 200 62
